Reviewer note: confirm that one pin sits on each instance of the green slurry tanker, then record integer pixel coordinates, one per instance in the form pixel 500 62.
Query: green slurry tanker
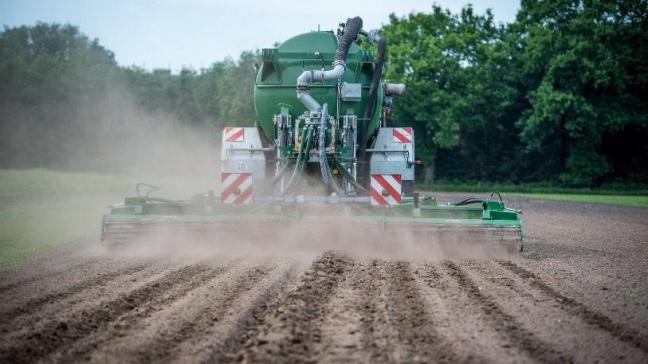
pixel 322 151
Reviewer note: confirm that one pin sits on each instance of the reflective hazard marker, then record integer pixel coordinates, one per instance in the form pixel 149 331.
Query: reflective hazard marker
pixel 231 134
pixel 402 135
pixel 237 188
pixel 385 189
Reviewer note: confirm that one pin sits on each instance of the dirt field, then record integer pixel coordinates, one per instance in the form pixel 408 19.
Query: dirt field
pixel 579 294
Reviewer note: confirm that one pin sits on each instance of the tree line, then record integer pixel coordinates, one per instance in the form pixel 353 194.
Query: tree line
pixel 557 95
pixel 65 102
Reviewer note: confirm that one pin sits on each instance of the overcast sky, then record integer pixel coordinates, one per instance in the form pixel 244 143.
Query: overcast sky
pixel 195 33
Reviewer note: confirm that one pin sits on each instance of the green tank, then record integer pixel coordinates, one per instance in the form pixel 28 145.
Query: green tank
pixel 277 77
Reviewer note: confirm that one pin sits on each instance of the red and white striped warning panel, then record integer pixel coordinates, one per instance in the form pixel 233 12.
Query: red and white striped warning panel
pixel 237 188
pixel 402 135
pixel 385 189
pixel 231 134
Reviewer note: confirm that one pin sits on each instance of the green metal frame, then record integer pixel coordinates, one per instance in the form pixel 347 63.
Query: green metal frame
pixel 202 211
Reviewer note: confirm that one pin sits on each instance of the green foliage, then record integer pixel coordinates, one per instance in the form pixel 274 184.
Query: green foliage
pixel 437 55
pixel 225 91
pixel 558 94
pixel 62 95
pixel 212 98
pixel 583 65
pixel 459 94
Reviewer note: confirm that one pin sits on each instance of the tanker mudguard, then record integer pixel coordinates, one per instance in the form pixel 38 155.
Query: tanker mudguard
pixel 393 154
pixel 242 152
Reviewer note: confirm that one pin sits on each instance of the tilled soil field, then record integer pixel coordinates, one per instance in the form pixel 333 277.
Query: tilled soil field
pixel 579 294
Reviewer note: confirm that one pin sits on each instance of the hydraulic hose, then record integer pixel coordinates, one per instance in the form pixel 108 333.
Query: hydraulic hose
pixel 302 158
pixel 469 201
pixel 279 174
pixel 323 159
pixel 348 175
pixel 285 167
pixel 324 167
pixel 351 30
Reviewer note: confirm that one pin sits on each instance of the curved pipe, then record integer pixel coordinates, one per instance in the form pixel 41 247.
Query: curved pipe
pixel 351 30
pixel 304 80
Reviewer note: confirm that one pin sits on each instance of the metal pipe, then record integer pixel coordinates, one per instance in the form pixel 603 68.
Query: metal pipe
pixel 351 31
pixel 396 89
pixel 304 80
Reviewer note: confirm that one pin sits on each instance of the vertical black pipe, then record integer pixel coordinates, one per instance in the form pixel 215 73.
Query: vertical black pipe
pixel 369 110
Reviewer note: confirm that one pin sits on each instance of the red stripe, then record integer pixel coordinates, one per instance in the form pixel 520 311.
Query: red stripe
pixel 397 177
pixel 406 132
pixel 400 136
pixel 224 176
pixel 236 135
pixel 395 194
pixel 231 188
pixel 375 195
pixel 244 196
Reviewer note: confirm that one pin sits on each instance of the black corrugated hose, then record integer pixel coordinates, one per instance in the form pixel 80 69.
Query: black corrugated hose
pixel 351 30
pixel 369 109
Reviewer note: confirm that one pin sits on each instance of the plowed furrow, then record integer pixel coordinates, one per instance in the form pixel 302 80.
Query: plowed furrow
pixel 618 330
pixel 44 274
pixel 167 346
pixel 130 321
pixel 55 334
pixel 377 334
pixel 34 305
pixel 540 314
pixel 239 314
pixel 247 333
pixel 355 328
pixel 467 336
pixel 417 338
pixel 292 331
pixel 518 335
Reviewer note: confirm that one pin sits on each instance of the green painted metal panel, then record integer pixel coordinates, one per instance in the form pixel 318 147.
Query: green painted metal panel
pixel 276 80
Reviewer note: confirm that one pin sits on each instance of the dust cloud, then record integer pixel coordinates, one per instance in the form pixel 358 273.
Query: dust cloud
pixel 108 132
pixel 314 234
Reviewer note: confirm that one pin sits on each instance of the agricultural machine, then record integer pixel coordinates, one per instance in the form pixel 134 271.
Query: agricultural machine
pixel 322 150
